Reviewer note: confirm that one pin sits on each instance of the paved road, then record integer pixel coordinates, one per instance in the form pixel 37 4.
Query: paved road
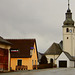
pixel 56 71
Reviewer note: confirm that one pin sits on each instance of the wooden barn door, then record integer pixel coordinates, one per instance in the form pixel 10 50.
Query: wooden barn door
pixel 3 59
pixel 5 66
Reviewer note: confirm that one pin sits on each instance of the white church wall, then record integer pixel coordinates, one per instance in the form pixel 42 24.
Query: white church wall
pixel 68 40
pixel 71 63
pixel 62 57
pixel 51 56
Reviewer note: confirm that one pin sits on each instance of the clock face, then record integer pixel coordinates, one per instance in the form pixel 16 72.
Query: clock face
pixel 70 30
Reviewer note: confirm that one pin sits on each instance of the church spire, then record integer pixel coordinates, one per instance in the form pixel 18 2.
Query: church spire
pixel 68 4
pixel 68 7
pixel 68 21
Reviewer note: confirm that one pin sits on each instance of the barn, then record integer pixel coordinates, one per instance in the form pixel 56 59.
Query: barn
pixel 4 55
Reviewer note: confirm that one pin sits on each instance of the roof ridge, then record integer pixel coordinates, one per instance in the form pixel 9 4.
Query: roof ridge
pixel 20 39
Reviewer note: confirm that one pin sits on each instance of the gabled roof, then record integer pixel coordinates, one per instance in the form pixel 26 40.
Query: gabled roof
pixel 3 41
pixel 69 56
pixel 55 49
pixel 23 46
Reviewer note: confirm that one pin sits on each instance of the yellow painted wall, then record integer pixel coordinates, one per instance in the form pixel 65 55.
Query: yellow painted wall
pixel 26 61
pixel 34 55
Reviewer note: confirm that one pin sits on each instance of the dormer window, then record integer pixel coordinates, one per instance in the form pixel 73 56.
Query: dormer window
pixel 67 30
pixel 31 50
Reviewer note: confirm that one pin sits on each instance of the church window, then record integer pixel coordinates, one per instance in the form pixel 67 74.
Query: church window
pixel 67 30
pixel 67 37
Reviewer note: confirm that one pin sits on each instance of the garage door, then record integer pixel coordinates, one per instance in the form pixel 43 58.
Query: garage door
pixel 62 63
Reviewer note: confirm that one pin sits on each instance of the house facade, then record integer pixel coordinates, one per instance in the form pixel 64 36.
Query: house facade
pixel 23 54
pixel 4 55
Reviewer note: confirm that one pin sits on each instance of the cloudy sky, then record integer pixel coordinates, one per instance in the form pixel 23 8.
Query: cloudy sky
pixel 39 19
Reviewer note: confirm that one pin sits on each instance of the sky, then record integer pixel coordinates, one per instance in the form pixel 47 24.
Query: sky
pixel 39 19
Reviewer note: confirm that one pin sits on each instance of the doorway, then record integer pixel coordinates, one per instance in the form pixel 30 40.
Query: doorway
pixel 63 64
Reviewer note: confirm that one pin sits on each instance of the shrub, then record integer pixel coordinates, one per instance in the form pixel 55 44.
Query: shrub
pixel 43 60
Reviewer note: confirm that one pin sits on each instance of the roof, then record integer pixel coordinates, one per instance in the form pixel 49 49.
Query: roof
pixel 55 49
pixel 68 21
pixel 3 41
pixel 23 46
pixel 61 44
pixel 69 56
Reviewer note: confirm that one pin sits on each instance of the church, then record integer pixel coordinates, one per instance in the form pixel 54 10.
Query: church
pixel 63 54
pixel 67 57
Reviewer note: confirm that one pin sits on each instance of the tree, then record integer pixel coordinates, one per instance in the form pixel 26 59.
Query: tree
pixel 43 60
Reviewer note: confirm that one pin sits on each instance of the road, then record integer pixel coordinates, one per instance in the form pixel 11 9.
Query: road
pixel 56 71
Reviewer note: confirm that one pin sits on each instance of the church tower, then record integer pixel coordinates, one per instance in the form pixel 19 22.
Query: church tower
pixel 68 33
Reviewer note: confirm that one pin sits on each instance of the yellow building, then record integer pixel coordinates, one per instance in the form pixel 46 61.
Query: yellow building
pixel 23 54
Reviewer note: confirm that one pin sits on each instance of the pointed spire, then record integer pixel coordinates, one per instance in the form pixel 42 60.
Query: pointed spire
pixel 68 5
pixel 69 20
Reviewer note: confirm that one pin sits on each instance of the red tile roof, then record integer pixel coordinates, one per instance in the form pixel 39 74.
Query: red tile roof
pixel 23 46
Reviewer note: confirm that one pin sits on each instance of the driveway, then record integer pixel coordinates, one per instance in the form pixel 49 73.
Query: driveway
pixel 56 71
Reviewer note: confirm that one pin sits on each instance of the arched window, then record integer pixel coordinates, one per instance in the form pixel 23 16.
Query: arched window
pixel 67 30
pixel 51 60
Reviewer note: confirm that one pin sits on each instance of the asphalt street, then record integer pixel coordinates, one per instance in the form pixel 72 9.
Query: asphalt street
pixel 54 71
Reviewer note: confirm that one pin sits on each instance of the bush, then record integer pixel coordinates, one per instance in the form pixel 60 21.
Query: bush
pixel 43 60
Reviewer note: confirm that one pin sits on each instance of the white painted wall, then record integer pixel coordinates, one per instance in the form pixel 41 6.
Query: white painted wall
pixel 71 63
pixel 51 56
pixel 63 57
pixel 69 44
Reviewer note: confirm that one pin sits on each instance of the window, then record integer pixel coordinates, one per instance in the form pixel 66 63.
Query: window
pixel 32 62
pixel 19 63
pixel 31 52
pixel 67 30
pixel 67 37
pixel 35 62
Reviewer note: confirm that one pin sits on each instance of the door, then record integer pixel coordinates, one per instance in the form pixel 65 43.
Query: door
pixel 19 62
pixel 63 64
